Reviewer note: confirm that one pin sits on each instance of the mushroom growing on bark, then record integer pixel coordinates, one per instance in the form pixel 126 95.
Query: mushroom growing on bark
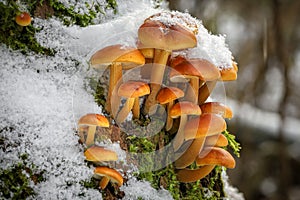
pixel 182 109
pixel 194 71
pixel 165 32
pixel 217 108
pixel 117 58
pixel 167 96
pixel 92 121
pixel 131 90
pixel 108 174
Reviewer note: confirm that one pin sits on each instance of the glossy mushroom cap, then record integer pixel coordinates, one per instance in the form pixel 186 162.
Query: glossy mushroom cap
pixel 168 31
pixel 215 156
pixel 110 174
pixel 218 140
pixel 133 89
pixel 128 56
pixel 23 19
pixel 184 108
pixel 229 74
pixel 168 94
pixel 100 154
pixel 201 68
pixel 92 119
pixel 205 125
pixel 217 108
pixel 192 175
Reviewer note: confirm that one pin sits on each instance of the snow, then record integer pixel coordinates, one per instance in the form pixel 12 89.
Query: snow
pixel 42 98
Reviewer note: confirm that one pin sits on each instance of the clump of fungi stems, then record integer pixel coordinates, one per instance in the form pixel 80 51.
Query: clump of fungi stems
pixel 198 139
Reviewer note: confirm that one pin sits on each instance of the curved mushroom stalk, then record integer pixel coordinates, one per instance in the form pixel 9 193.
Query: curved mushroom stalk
pixel 192 175
pixel 124 112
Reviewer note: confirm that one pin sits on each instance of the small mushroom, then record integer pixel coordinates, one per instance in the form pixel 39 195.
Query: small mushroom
pixel 192 175
pixel 207 124
pixel 183 110
pixel 217 108
pixel 194 71
pixel 23 19
pixel 100 154
pixel 108 174
pixel 164 33
pixel 229 74
pixel 215 156
pixel 92 121
pixel 167 96
pixel 117 57
pixel 188 157
pixel 218 140
pixel 131 90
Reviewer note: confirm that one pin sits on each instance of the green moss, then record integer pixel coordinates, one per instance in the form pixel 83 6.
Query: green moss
pixel 15 181
pixel 232 143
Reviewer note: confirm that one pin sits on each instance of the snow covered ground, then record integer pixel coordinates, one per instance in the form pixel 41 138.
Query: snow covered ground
pixel 41 99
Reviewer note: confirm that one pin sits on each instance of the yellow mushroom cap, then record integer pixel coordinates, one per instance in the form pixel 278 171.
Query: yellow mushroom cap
pixel 215 156
pixel 110 173
pixel 128 56
pixel 23 19
pixel 205 125
pixel 168 94
pixel 201 68
pixel 217 108
pixel 229 74
pixel 93 119
pixel 133 89
pixel 100 154
pixel 184 108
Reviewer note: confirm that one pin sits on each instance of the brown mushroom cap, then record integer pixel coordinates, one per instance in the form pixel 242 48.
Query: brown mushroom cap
pixel 218 140
pixel 108 173
pixel 184 108
pixel 201 68
pixel 192 175
pixel 215 156
pixel 128 56
pixel 170 34
pixel 92 119
pixel 205 125
pixel 217 108
pixel 133 89
pixel 23 19
pixel 229 74
pixel 168 94
pixel 100 154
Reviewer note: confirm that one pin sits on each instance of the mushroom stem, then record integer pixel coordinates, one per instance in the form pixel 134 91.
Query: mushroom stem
pixel 125 110
pixel 157 74
pixel 205 91
pixel 115 79
pixel 103 183
pixel 169 120
pixel 192 175
pixel 136 108
pixel 179 138
pixel 189 156
pixel 90 136
pixel 193 90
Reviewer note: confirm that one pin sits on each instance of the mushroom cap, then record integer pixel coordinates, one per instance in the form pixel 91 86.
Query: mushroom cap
pixel 201 68
pixel 228 74
pixel 100 154
pixel 176 60
pixel 93 119
pixel 218 140
pixel 23 19
pixel 184 108
pixel 206 124
pixel 215 156
pixel 128 56
pixel 192 175
pixel 112 174
pixel 133 89
pixel 168 31
pixel 217 108
pixel 168 94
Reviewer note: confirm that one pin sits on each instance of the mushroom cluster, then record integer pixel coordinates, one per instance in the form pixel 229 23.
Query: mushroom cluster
pixel 178 83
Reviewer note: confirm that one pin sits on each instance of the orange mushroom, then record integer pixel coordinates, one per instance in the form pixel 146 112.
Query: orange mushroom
pixel 23 19
pixel 108 174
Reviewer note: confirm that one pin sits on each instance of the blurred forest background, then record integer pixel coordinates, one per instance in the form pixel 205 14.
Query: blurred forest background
pixel 264 37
